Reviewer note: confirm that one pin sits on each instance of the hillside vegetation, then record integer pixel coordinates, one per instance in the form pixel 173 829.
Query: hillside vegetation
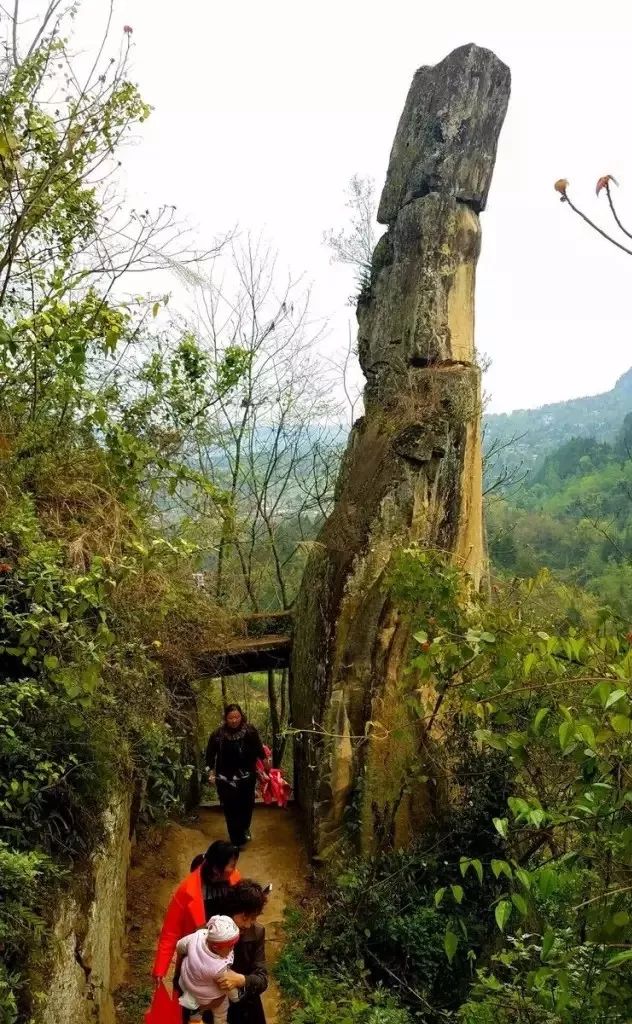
pixel 573 515
pixel 523 438
pixel 514 904
pixel 99 621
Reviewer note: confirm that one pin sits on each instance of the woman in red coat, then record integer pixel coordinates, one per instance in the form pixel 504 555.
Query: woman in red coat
pixel 202 894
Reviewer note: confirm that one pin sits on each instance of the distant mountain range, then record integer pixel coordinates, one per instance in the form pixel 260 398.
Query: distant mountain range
pixel 525 437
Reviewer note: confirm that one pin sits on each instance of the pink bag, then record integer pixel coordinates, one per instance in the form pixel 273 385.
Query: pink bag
pixel 278 790
pixel 273 787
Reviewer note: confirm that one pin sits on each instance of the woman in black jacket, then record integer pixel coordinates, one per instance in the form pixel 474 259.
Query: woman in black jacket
pixel 249 975
pixel 231 757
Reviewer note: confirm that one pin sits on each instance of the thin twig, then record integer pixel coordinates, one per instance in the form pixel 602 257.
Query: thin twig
pixel 595 227
pixel 614 212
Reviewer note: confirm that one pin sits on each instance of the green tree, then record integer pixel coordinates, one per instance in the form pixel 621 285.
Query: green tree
pixel 99 621
pixel 515 902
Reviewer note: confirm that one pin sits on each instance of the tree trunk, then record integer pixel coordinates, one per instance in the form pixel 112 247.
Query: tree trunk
pixel 412 472
pixel 276 722
pixel 278 715
pixel 280 752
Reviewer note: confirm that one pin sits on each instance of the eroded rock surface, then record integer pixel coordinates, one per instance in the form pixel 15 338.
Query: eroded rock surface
pixel 84 958
pixel 412 470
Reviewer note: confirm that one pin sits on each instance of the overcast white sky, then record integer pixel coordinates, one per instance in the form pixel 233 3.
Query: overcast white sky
pixel 265 108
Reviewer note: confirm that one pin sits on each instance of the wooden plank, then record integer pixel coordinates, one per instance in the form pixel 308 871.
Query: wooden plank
pixel 247 654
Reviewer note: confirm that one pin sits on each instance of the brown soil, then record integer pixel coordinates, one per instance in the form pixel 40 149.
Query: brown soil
pixel 162 860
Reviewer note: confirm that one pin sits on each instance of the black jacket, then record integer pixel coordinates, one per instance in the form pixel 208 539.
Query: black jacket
pixel 230 757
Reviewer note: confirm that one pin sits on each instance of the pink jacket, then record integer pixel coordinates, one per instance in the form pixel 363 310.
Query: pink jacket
pixel 201 967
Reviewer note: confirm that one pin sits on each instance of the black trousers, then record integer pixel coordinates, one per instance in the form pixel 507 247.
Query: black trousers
pixel 248 1011
pixel 238 801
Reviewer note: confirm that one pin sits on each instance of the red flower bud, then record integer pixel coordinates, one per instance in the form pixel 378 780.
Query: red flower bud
pixel 128 30
pixel 604 182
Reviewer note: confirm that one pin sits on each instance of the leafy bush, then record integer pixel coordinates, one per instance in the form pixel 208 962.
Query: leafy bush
pixel 379 924
pixel 325 1001
pixel 317 997
pixel 100 623
pixel 550 693
pixel 22 876
pixel 516 903
pixel 513 1008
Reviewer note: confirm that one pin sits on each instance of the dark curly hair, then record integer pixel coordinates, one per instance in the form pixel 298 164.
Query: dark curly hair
pixel 247 897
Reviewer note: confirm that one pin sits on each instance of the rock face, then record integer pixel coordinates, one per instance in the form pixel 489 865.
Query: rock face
pixel 87 945
pixel 412 469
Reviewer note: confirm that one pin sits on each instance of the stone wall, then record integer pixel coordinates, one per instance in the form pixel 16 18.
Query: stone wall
pixel 89 933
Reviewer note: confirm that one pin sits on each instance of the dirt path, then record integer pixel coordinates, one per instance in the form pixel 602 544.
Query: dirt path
pixel 162 861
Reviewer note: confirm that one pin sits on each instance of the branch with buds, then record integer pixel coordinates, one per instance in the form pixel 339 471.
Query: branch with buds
pixel 603 185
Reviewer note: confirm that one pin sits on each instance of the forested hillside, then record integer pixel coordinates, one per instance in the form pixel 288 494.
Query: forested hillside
pixel 520 440
pixel 573 514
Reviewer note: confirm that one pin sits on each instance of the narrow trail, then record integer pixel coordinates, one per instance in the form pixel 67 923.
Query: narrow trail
pixel 275 855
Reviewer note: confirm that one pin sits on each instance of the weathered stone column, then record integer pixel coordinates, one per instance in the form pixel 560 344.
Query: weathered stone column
pixel 412 470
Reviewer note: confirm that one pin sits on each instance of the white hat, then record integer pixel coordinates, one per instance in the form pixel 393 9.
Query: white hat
pixel 221 929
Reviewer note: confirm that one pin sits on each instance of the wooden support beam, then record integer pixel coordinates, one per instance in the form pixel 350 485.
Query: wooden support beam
pixel 248 654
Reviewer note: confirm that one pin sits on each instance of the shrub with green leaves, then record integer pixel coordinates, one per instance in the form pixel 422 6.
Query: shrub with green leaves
pixel 22 924
pixel 317 997
pixel 516 902
pixel 551 694
pixel 100 623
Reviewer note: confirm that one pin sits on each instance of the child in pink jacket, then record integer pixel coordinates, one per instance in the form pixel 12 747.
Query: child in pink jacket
pixel 203 957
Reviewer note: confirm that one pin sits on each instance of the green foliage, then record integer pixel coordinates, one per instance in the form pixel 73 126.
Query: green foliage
pixel 49 202
pixel 21 922
pixel 317 996
pixel 324 1001
pixel 383 922
pixel 556 703
pixel 100 623
pixel 56 638
pixel 158 753
pixel 516 903
pixel 513 1008
pixel 573 515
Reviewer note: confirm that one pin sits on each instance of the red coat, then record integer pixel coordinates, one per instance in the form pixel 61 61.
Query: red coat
pixel 185 914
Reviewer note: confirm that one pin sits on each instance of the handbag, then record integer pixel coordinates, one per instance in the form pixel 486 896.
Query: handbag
pixel 164 1009
pixel 272 786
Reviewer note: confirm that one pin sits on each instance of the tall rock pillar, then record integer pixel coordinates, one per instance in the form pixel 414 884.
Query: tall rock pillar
pixel 412 469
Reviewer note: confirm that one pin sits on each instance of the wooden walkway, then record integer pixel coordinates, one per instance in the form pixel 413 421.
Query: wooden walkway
pixel 266 644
